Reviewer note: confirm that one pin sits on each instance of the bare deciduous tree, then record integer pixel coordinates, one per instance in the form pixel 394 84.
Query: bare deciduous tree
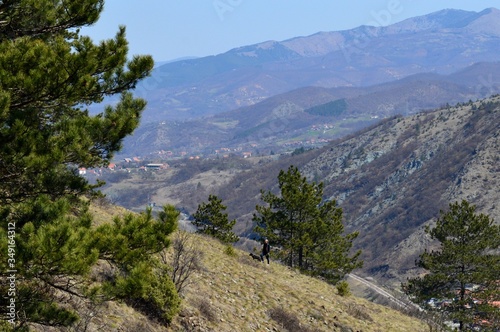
pixel 186 260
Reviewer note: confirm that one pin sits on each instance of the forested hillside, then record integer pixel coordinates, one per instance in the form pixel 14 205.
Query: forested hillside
pixel 393 178
pixel 311 116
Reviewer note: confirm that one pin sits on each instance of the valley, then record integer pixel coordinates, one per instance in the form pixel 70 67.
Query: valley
pixel 108 159
pixel 391 150
pixel 391 179
pixel 309 117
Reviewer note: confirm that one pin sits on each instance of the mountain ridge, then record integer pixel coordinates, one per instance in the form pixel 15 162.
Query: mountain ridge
pixel 393 179
pixel 282 119
pixel 441 42
pixel 443 19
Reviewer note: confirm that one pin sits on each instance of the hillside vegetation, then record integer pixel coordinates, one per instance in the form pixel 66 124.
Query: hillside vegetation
pixel 391 180
pixel 71 268
pixel 310 116
pixel 236 293
pixel 233 292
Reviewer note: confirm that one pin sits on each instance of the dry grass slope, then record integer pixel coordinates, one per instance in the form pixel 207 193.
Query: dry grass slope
pixel 237 293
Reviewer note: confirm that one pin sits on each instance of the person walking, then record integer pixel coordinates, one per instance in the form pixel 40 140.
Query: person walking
pixel 266 248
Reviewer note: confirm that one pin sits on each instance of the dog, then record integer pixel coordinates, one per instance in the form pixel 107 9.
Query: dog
pixel 256 257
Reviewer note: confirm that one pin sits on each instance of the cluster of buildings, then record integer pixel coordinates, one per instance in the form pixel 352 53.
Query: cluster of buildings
pixel 125 164
pixel 481 322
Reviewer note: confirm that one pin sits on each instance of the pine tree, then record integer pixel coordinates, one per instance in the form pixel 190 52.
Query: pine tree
pixel 464 272
pixel 211 219
pixel 130 245
pixel 49 75
pixel 308 231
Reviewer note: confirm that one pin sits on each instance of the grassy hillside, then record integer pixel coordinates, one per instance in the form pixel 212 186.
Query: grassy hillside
pixel 237 293
pixel 233 292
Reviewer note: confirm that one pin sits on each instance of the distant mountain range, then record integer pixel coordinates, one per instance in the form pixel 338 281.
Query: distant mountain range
pixel 442 43
pixel 308 117
pixel 263 98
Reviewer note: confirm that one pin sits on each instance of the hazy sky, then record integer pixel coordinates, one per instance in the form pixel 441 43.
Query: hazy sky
pixel 171 29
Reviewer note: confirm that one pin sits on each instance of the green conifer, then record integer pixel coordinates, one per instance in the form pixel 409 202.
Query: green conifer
pixel 211 219
pixel 308 231
pixel 49 75
pixel 463 273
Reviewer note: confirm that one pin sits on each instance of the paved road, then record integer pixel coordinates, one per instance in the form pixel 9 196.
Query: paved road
pixel 381 291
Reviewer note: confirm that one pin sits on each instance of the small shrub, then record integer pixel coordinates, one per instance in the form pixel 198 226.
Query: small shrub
pixel 206 309
pixel 287 320
pixel 343 288
pixel 229 250
pixel 186 260
pixel 358 312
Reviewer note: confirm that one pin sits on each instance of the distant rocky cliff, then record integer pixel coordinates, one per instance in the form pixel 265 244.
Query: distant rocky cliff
pixel 395 178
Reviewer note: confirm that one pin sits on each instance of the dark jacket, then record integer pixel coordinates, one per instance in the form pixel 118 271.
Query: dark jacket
pixel 266 248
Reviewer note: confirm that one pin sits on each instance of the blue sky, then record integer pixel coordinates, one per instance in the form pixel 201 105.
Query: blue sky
pixel 172 29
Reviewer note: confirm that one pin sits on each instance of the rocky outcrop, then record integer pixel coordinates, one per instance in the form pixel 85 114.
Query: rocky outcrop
pixel 393 179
